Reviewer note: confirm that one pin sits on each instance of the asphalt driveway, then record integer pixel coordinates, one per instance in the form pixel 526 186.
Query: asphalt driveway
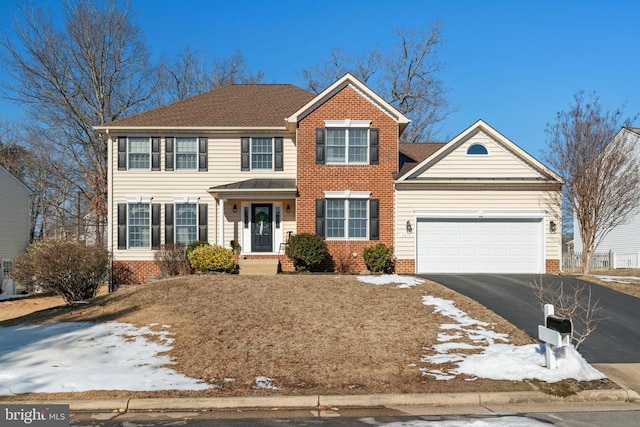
pixel 616 339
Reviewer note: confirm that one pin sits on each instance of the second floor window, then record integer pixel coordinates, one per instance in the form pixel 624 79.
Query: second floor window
pixel 139 153
pixel 187 153
pixel 186 223
pixel 347 145
pixel 261 153
pixel 139 225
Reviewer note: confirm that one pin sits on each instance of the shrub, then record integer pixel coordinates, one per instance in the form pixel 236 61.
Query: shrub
pixel 378 258
pixel 66 268
pixel 193 245
pixel 171 260
pixel 306 251
pixel 212 258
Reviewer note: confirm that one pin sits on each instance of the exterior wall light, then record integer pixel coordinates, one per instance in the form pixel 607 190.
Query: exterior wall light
pixel 552 226
pixel 288 208
pixel 235 208
pixel 409 228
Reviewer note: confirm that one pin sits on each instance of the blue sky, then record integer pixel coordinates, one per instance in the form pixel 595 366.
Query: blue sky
pixel 513 64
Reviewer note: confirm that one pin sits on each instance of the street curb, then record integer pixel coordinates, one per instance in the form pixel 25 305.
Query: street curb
pixel 339 401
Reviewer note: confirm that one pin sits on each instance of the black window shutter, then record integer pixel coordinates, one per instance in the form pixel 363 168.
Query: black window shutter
pixel 374 219
pixel 122 153
pixel 374 147
pixel 155 154
pixel 203 160
pixel 155 225
pixel 168 224
pixel 320 217
pixel 278 153
pixel 320 158
pixel 122 226
pixel 244 154
pixel 168 153
pixel 202 222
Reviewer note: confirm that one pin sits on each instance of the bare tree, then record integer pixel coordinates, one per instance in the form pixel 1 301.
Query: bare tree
pixel 598 164
pixel 572 302
pixel 189 75
pixel 93 71
pixel 407 77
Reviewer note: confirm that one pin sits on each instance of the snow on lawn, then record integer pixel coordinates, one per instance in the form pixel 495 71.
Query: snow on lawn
pixel 499 360
pixel 385 279
pixel 82 356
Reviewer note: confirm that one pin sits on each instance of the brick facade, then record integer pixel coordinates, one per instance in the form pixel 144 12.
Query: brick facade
pixel 552 266
pixel 405 266
pixel 314 179
pixel 133 272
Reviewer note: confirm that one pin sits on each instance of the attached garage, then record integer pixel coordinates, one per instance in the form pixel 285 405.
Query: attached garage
pixel 480 245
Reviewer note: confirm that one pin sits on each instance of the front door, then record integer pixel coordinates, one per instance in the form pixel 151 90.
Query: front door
pixel 261 232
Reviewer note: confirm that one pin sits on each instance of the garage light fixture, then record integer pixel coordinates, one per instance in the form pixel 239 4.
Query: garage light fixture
pixel 552 226
pixel 409 228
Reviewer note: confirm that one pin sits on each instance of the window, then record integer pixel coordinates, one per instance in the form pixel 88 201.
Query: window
pixel 346 218
pixel 6 269
pixel 261 153
pixel 186 223
pixel 347 145
pixel 187 153
pixel 139 225
pixel 477 150
pixel 139 153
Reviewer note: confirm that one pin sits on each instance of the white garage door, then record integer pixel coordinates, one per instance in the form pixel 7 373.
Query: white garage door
pixel 479 245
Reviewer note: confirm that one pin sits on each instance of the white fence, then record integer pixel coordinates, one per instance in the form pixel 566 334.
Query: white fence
pixel 602 260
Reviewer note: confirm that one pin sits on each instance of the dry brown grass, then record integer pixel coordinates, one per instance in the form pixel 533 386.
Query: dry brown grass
pixel 632 287
pixel 311 333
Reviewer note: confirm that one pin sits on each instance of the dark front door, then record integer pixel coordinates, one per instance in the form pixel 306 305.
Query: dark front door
pixel 261 232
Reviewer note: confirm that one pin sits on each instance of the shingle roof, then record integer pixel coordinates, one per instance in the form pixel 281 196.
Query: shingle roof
pixel 242 105
pixel 412 153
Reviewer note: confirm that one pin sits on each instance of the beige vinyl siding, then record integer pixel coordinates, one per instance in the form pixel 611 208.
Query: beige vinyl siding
pixel 499 163
pixel 410 201
pixel 14 216
pixel 163 186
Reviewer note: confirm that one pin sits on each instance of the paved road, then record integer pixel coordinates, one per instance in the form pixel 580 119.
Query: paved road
pixel 616 339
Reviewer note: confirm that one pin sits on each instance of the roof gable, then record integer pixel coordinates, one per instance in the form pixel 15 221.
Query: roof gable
pixel 8 177
pixel 363 90
pixel 504 160
pixel 231 106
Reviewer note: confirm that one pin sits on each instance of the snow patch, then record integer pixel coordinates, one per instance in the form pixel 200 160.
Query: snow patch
pixel 403 282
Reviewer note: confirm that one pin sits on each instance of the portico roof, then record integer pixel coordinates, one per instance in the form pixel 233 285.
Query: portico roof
pixel 257 187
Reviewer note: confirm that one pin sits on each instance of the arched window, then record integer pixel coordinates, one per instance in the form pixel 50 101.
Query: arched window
pixel 477 150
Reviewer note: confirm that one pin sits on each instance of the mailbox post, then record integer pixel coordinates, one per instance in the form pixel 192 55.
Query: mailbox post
pixel 556 332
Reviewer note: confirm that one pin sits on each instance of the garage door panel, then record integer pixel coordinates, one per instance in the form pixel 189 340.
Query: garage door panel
pixel 479 245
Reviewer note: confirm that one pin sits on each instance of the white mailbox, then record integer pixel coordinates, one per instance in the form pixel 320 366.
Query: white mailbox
pixel 555 333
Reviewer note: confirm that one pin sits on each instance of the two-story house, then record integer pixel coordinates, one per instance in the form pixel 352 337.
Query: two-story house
pixel 15 205
pixel 255 163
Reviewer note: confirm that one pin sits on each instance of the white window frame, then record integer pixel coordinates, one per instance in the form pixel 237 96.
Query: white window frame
pixel 138 201
pixel 251 167
pixel 346 125
pixel 477 154
pixel 148 168
pixel 193 201
pixel 176 152
pixel 347 197
pixel 5 267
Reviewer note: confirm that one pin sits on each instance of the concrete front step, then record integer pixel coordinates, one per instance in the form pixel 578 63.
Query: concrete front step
pixel 258 267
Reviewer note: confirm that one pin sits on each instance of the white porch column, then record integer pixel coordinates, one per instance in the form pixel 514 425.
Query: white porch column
pixel 221 222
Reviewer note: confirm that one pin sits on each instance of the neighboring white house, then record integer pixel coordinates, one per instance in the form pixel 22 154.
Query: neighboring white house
pixel 623 240
pixel 14 221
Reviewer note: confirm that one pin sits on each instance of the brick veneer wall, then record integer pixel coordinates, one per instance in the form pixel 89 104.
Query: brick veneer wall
pixel 405 266
pixel 552 266
pixel 313 180
pixel 133 272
